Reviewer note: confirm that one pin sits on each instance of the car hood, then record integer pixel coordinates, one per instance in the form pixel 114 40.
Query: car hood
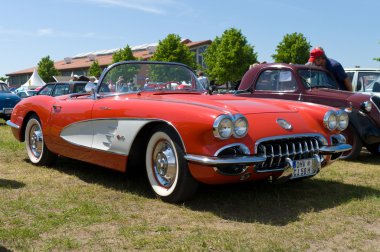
pixel 9 97
pixel 342 95
pixel 231 103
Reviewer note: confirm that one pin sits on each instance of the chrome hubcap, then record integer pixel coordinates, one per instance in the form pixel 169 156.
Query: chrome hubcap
pixel 165 163
pixel 36 141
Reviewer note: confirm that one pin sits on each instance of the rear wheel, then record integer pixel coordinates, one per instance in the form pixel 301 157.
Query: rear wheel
pixel 37 151
pixel 166 167
pixel 354 140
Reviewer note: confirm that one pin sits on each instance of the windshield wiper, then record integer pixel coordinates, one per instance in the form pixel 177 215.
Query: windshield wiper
pixel 249 90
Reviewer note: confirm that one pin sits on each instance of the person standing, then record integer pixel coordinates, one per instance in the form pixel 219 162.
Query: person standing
pixel 203 80
pixel 319 58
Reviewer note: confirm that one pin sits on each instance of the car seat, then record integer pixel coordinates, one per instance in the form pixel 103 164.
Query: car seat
pixel 376 87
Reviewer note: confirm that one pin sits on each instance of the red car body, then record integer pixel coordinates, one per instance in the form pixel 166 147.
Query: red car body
pixel 180 136
pixel 290 82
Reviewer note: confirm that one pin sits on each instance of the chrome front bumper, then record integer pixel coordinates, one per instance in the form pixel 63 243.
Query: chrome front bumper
pixel 217 161
pixel 13 125
pixel 334 149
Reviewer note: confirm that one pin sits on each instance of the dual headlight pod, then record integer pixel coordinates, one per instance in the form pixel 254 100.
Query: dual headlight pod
pixel 226 126
pixel 336 119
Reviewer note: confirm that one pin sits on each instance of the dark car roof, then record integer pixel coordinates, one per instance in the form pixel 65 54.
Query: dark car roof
pixel 251 73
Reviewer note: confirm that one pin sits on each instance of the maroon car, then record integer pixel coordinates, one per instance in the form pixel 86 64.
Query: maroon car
pixel 313 84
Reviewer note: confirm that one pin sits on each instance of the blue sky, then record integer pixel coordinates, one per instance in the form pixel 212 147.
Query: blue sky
pixel 29 30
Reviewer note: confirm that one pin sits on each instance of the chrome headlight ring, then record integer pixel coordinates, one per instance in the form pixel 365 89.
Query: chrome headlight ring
pixel 223 127
pixel 226 126
pixel 330 120
pixel 342 120
pixel 240 126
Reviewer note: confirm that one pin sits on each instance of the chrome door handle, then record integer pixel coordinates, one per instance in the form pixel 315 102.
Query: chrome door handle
pixel 104 108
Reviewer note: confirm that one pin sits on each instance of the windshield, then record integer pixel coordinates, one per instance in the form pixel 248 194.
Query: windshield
pixel 312 78
pixel 373 86
pixel 4 88
pixel 128 77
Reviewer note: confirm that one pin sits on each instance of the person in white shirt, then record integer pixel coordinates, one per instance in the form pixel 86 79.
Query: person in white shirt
pixel 203 80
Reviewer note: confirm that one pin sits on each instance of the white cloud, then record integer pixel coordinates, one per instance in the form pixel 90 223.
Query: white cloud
pixel 150 6
pixel 47 32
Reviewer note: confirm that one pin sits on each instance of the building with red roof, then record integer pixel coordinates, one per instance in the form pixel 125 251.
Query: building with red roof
pixel 80 63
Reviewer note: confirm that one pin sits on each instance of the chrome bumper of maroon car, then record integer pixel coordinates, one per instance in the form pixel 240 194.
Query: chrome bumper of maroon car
pixel 217 161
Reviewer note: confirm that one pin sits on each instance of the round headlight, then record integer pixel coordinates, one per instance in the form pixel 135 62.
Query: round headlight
pixel 366 106
pixel 240 126
pixel 223 127
pixel 342 120
pixel 330 120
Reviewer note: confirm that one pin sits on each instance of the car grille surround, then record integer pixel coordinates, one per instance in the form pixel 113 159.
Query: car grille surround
pixel 278 150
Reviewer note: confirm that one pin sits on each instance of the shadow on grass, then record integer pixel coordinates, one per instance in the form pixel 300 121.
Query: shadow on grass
pixel 248 202
pixel 135 183
pixel 367 158
pixel 10 184
pixel 276 204
pixel 4 249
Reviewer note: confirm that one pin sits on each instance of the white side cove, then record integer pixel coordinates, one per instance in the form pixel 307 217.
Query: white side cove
pixel 115 135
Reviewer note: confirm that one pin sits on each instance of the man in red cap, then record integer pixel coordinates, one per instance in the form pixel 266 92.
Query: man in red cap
pixel 318 58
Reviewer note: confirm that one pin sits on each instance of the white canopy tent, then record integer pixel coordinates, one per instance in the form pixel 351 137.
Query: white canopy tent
pixel 34 81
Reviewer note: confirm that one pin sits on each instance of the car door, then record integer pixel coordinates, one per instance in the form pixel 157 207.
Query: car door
pixel 68 135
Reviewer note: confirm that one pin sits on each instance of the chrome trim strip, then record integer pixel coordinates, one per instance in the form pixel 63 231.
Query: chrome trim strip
pixel 215 161
pixel 13 125
pixel 335 148
pixel 148 120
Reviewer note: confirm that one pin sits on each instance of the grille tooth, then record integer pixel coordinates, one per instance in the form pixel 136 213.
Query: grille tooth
pixel 277 150
pixel 271 155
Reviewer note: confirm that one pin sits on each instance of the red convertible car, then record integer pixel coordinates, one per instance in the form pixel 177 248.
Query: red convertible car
pixel 177 132
pixel 314 84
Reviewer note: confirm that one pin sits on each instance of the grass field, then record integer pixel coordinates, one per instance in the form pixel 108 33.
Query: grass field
pixel 75 206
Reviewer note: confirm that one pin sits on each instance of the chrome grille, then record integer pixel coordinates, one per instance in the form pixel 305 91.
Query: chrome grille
pixel 277 150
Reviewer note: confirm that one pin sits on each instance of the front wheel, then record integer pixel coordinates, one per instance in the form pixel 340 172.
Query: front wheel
pixel 167 170
pixel 354 140
pixel 37 151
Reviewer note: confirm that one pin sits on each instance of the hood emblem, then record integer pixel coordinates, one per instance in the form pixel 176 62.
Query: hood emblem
pixel 284 124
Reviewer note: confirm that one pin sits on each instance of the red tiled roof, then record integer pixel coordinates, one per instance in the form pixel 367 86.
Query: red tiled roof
pixel 103 60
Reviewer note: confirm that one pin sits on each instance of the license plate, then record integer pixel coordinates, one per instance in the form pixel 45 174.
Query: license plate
pixel 8 111
pixel 304 167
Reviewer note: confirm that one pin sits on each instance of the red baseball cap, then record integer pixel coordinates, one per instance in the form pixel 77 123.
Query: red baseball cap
pixel 316 53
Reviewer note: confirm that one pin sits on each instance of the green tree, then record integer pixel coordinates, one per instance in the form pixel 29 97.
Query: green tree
pixel 171 49
pixel 123 54
pixel 294 48
pixel 377 59
pixel 95 69
pixel 4 79
pixel 229 57
pixel 46 69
